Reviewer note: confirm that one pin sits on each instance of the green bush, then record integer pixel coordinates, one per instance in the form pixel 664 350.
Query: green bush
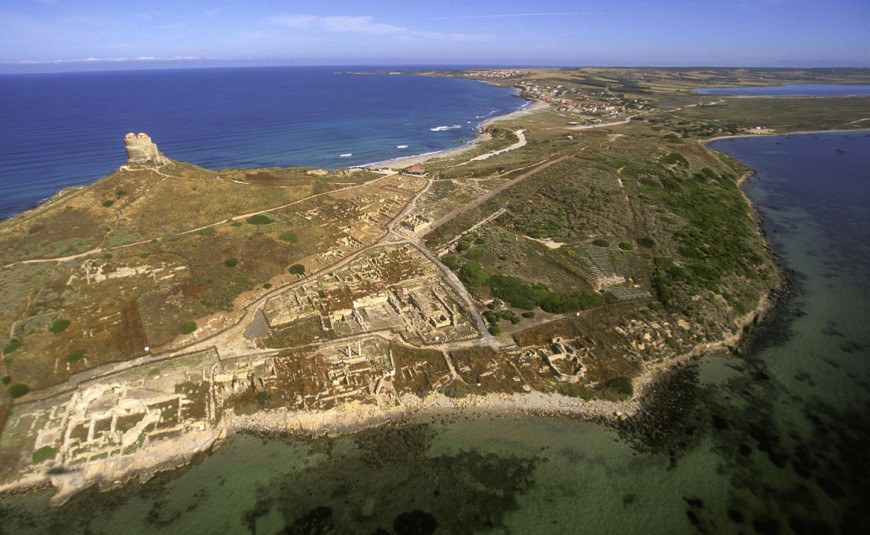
pixel 474 254
pixel 297 269
pixel 59 325
pixel 463 246
pixel 601 242
pixel 289 236
pixel 528 314
pixel 187 327
pixel 261 219
pixel 18 389
pixel 675 158
pixel 473 275
pixel 11 346
pixel 6 380
pixel 495 329
pixel 108 202
pixel 647 242
pixel 75 355
pixel 43 454
pixel 262 397
pixel 451 262
pixel 120 192
pixel 588 299
pixel 626 246
pixel 619 388
pixel 231 262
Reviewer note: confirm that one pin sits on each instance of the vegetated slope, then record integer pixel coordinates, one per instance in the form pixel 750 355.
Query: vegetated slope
pixel 665 213
pixel 161 251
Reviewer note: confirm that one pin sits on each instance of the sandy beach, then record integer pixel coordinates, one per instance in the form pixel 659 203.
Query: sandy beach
pixel 401 163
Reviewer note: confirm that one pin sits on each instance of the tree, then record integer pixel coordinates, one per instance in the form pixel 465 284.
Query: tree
pixel 187 327
pixel 261 219
pixel 75 355
pixel 297 269
pixel 59 325
pixel 289 236
pixel 18 389
pixel 473 275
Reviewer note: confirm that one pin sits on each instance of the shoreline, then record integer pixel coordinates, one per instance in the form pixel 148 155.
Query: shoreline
pixel 408 161
pixel 784 134
pixel 356 416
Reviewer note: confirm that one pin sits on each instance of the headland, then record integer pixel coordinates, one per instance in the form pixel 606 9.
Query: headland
pixel 166 305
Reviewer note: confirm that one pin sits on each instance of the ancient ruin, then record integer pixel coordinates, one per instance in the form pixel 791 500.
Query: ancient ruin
pixel 141 150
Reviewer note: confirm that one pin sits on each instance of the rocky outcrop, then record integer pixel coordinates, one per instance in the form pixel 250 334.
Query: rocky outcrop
pixel 141 150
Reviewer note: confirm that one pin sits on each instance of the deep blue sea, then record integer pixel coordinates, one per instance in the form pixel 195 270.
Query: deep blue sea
pixel 791 90
pixel 61 130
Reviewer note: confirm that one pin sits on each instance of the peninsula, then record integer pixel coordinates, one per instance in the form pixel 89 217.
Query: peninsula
pixel 558 264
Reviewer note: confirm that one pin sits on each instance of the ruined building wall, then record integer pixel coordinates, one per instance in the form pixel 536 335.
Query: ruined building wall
pixel 140 149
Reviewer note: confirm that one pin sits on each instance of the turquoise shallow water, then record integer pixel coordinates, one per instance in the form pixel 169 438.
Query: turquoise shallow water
pixel 772 440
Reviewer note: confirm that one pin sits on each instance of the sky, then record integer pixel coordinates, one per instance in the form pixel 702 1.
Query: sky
pixel 59 35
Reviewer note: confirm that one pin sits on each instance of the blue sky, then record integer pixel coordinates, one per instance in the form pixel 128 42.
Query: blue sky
pixel 51 35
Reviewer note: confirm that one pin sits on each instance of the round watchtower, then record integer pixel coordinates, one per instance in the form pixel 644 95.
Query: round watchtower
pixel 140 149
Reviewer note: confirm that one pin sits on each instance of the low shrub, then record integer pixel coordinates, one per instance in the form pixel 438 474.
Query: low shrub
pixel 474 254
pixel 289 236
pixel 44 453
pixel 75 355
pixel 261 219
pixel 11 346
pixel 646 242
pixel 59 325
pixel 187 327
pixel 619 388
pixel 18 389
pixel 451 262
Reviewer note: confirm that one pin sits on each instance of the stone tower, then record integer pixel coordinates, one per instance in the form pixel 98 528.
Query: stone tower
pixel 141 150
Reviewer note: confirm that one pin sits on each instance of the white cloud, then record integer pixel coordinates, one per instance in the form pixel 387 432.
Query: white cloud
pixel 365 24
pixel 94 60
pixel 518 15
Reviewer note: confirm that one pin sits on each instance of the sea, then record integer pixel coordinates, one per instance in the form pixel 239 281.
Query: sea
pixel 770 439
pixel 67 129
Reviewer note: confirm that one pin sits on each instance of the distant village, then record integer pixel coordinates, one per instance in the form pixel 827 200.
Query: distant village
pixel 582 101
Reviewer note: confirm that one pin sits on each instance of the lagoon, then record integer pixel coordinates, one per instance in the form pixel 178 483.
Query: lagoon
pixel 791 90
